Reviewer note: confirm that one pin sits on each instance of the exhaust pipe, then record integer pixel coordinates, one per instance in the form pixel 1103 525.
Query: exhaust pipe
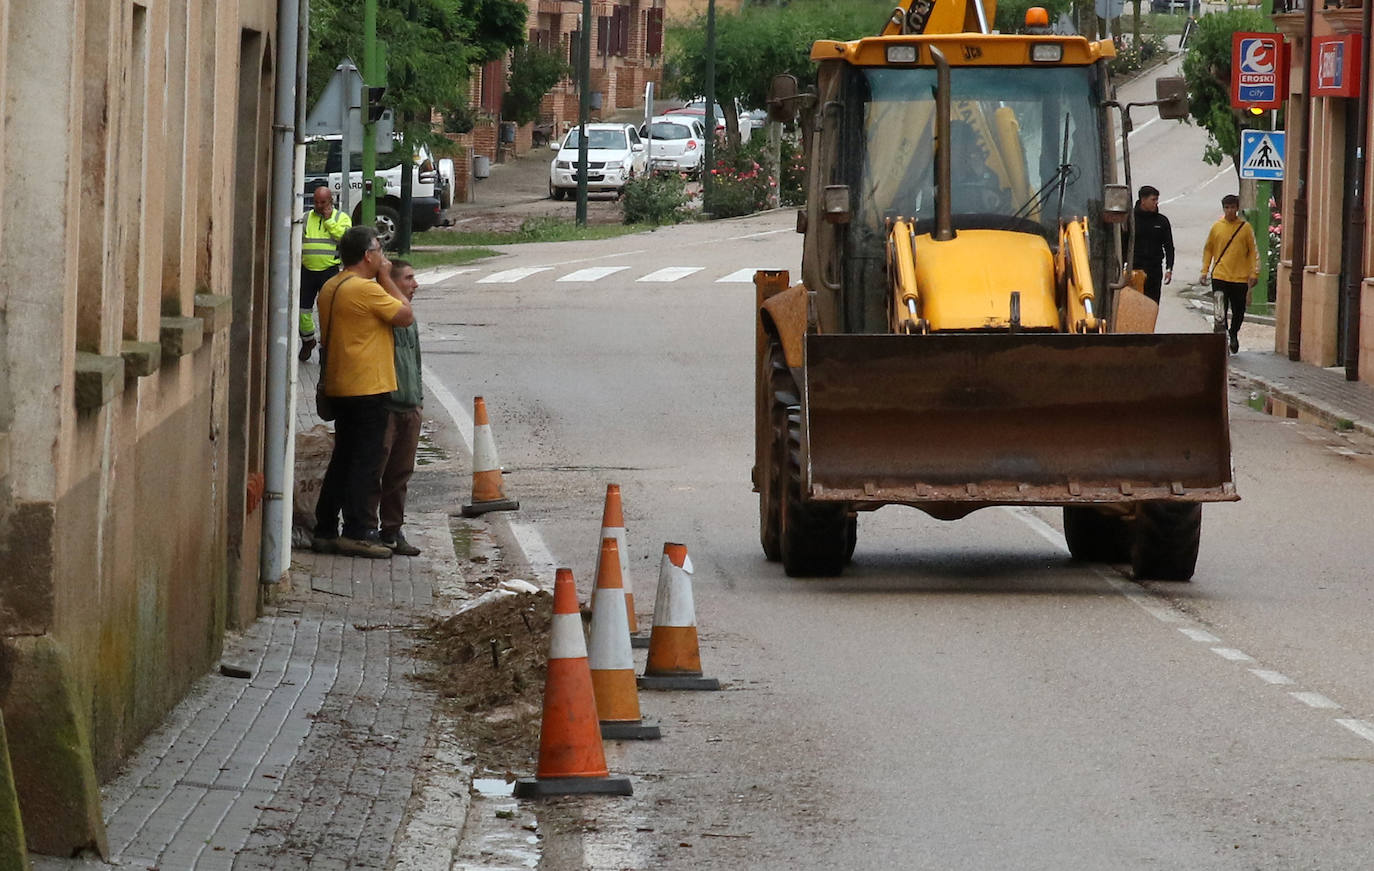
pixel 944 223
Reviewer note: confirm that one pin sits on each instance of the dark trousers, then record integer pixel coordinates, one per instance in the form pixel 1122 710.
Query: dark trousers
pixel 359 429
pixel 1235 291
pixel 311 283
pixel 1154 278
pixel 398 464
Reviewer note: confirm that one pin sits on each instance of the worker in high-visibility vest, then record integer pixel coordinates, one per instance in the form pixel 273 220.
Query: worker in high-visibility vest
pixel 324 226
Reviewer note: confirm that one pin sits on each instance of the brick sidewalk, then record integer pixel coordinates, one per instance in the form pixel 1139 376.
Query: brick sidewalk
pixel 314 759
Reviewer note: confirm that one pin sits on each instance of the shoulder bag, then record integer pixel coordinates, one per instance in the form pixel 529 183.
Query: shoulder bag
pixel 324 403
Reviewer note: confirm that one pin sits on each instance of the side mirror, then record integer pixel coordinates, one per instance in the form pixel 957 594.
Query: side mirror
pixel 1171 96
pixel 638 146
pixel 782 95
pixel 835 203
pixel 1116 203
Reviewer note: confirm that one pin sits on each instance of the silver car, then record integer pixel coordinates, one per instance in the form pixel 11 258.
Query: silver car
pixel 615 154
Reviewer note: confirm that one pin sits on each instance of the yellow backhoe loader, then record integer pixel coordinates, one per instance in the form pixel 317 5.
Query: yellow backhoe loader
pixel 964 334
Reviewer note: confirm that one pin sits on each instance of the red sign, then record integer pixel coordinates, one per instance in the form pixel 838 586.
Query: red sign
pixel 1259 71
pixel 1336 65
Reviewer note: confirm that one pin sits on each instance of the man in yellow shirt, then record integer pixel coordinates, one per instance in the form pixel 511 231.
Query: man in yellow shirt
pixel 1231 261
pixel 324 227
pixel 358 309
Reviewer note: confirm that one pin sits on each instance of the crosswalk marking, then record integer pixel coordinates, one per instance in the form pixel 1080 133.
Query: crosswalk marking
pixel 510 276
pixel 670 273
pixel 740 276
pixel 593 273
pixel 440 275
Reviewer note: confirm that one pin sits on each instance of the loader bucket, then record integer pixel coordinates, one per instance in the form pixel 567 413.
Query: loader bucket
pixel 997 418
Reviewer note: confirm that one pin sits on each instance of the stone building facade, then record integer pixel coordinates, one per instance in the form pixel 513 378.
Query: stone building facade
pixel 134 248
pixel 1325 338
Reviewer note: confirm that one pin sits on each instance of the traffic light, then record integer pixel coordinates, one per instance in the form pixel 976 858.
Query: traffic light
pixel 374 103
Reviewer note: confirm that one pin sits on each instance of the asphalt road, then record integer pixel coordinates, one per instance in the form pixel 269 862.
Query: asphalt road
pixel 964 696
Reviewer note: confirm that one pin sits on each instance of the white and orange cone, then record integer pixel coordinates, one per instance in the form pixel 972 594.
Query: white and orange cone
pixel 612 662
pixel 571 758
pixel 488 492
pixel 674 653
pixel 613 526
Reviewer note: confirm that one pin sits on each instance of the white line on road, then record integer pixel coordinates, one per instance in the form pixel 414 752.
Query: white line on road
pixel 510 276
pixel 670 273
pixel 1201 635
pixel 593 273
pixel 1136 130
pixel 1315 700
pixel 537 554
pixel 456 411
pixel 1188 193
pixel 1232 654
pixel 433 277
pixel 1359 727
pixel 1273 677
pixel 740 276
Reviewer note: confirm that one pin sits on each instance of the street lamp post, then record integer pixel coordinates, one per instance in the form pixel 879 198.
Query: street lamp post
pixel 709 155
pixel 584 108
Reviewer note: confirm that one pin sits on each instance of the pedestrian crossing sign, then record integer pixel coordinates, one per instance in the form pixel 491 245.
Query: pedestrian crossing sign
pixel 1261 154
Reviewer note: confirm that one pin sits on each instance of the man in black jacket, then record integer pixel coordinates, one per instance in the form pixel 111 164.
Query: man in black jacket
pixel 1154 242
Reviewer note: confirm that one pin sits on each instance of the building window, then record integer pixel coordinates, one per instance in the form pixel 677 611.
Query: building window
pixel 653 33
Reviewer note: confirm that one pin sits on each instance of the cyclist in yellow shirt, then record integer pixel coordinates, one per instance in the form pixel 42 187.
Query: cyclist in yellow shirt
pixel 1230 260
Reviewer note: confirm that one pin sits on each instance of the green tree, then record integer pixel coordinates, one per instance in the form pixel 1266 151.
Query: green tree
pixel 533 73
pixel 431 44
pixel 759 42
pixel 1207 68
pixel 1011 14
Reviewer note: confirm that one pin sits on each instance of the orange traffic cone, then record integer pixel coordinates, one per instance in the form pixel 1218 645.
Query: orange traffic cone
pixel 613 526
pixel 487 491
pixel 571 758
pixel 612 663
pixel 674 654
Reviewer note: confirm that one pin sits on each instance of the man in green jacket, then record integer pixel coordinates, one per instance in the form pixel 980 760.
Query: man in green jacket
pixel 404 405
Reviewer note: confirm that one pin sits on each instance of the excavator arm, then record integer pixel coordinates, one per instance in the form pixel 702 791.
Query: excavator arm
pixel 945 16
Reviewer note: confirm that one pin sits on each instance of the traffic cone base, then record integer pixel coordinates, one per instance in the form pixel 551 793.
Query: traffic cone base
pixel 634 730
pixel 639 642
pixel 531 787
pixel 487 489
pixel 680 682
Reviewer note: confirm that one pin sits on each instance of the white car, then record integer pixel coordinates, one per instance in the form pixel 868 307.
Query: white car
pixel 676 143
pixel 615 154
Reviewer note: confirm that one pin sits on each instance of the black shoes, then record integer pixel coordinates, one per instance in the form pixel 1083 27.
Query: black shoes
pixel 307 346
pixel 398 544
pixel 1235 344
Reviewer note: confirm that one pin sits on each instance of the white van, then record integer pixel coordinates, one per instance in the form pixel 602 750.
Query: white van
pixel 324 165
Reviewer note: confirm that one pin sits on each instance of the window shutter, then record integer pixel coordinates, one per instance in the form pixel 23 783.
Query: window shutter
pixel 603 34
pixel 622 14
pixel 492 86
pixel 653 38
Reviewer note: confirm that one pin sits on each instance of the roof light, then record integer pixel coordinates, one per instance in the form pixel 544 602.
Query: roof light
pixel 901 54
pixel 1037 16
pixel 1047 52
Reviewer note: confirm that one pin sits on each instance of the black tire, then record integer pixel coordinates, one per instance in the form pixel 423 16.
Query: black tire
pixel 557 193
pixel 779 392
pixel 851 537
pixel 1094 537
pixel 813 537
pixel 387 223
pixel 1167 535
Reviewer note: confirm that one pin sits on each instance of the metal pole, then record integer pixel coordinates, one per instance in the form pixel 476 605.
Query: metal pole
pixel 1298 220
pixel 370 77
pixel 1354 259
pixel 709 154
pixel 274 558
pixel 345 145
pixel 584 109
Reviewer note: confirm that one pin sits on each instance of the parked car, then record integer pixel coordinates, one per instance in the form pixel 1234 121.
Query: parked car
pixel 324 165
pixel 1189 6
pixel 676 143
pixel 615 154
pixel 748 121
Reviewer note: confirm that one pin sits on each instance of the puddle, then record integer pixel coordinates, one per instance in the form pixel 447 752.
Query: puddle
pixel 427 453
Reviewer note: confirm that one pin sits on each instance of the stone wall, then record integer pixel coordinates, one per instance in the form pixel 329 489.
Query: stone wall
pixel 136 158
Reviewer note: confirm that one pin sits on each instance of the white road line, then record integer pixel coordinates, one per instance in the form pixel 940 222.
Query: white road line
pixel 670 273
pixel 456 411
pixel 510 276
pixel 1223 171
pixel 593 273
pixel 1232 654
pixel 740 276
pixel 429 278
pixel 1201 635
pixel 1273 677
pixel 1315 700
pixel 536 552
pixel 1359 727
pixel 1136 130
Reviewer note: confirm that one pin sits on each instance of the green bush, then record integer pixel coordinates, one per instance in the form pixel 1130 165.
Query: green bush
pixel 792 177
pixel 655 199
pixel 533 73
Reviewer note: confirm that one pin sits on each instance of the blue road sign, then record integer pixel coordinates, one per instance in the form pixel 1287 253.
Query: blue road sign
pixel 1261 154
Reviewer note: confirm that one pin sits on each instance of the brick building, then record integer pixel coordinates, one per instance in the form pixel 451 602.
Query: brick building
pixel 134 241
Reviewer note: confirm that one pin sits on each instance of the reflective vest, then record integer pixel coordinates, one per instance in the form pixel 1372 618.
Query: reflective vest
pixel 319 249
